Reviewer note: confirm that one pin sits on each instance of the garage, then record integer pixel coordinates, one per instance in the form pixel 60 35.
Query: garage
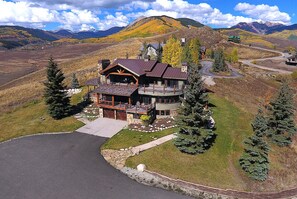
pixel 121 115
pixel 108 113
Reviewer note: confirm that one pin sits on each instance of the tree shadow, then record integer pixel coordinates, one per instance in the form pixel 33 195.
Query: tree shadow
pixel 78 108
pixel 211 105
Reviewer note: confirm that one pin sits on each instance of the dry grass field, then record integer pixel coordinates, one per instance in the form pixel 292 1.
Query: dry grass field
pixel 17 63
pixel 31 87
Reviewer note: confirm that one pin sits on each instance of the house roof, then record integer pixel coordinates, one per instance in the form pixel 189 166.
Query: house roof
pixel 115 89
pixel 158 70
pixel 136 66
pixel 92 82
pixel 175 73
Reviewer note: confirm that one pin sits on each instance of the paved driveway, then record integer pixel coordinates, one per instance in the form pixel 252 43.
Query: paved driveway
pixel 103 127
pixel 66 166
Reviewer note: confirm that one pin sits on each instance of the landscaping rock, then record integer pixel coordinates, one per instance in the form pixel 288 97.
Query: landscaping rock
pixel 141 167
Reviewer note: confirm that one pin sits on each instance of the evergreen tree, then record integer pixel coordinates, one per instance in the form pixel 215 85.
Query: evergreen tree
pixel 195 50
pixel 144 50
pixel 281 123
pixel 55 97
pixel 172 52
pixel 194 136
pixel 259 124
pixel 254 160
pixel 219 64
pixel 186 54
pixel 159 52
pixel 74 83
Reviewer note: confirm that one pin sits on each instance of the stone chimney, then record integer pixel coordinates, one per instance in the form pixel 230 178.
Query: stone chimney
pixel 103 63
pixel 184 67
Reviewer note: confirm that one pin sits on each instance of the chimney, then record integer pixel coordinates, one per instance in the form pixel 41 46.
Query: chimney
pixel 103 63
pixel 183 41
pixel 184 67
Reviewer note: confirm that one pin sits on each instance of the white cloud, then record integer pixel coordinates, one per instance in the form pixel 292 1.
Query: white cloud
pixel 110 21
pixel 263 12
pixel 22 12
pixel 201 12
pixel 86 27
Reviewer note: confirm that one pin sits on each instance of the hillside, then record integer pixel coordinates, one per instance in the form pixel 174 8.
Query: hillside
pixel 146 27
pixel 16 36
pixel 286 34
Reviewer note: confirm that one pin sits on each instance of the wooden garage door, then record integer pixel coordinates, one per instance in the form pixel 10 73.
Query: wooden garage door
pixel 108 113
pixel 121 115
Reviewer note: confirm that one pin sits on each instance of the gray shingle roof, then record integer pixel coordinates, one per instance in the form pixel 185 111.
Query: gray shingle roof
pixel 114 89
pixel 175 73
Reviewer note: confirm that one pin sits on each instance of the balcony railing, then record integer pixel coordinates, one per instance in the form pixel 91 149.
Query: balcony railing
pixel 157 89
pixel 139 108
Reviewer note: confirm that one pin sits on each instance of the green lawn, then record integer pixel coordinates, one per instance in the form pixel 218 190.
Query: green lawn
pixel 217 167
pixel 127 138
pixel 33 118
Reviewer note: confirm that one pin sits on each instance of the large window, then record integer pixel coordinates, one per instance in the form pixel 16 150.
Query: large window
pixel 163 112
pixel 168 100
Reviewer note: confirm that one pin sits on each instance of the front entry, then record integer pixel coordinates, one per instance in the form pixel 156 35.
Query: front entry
pixel 108 113
pixel 121 115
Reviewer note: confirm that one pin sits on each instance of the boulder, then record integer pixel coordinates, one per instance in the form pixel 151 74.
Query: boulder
pixel 141 167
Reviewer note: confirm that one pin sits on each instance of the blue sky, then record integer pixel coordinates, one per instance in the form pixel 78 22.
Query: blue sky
pixel 78 15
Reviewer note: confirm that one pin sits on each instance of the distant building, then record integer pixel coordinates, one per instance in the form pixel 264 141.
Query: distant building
pixel 151 51
pixel 292 60
pixel 235 39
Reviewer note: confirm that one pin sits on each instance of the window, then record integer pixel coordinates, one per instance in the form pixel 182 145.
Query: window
pixel 136 116
pixel 162 112
pixel 167 112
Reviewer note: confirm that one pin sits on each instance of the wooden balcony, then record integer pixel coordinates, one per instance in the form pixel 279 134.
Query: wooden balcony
pixel 157 90
pixel 141 108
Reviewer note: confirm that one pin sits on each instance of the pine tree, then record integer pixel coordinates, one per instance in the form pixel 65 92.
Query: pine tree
pixel 195 50
pixel 219 64
pixel 254 160
pixel 186 54
pixel 55 97
pixel 281 123
pixel 74 83
pixel 194 136
pixel 159 52
pixel 259 124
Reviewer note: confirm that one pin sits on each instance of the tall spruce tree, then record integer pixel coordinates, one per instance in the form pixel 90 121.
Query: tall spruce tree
pixel 194 136
pixel 74 82
pixel 186 54
pixel 281 123
pixel 55 96
pixel 259 124
pixel 219 64
pixel 254 160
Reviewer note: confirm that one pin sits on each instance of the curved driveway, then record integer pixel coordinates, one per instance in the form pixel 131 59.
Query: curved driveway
pixel 207 65
pixel 65 166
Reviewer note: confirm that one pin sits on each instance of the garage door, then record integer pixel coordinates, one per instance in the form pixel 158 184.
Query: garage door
pixel 121 115
pixel 108 113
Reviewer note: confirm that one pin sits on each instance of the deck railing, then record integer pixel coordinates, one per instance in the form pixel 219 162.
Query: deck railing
pixel 152 88
pixel 128 107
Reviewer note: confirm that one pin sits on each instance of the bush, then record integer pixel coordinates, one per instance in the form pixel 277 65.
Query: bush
pixel 294 75
pixel 146 119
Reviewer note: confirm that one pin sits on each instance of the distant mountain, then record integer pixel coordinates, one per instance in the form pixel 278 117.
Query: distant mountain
pixel 264 28
pixel 259 28
pixel 16 36
pixel 190 22
pixel 152 26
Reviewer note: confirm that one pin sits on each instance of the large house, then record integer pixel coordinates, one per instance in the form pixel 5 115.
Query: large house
pixel 129 88
pixel 292 60
pixel 151 50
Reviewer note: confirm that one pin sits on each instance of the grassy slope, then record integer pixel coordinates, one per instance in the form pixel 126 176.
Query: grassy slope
pixel 144 28
pixel 127 138
pixel 33 118
pixel 214 167
pixel 249 37
pixel 286 34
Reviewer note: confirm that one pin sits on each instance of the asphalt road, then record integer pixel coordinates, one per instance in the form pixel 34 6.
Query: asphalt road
pixel 65 166
pixel 207 65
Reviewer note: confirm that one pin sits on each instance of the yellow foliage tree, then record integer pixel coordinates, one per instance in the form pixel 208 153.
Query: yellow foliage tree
pixel 195 50
pixel 172 52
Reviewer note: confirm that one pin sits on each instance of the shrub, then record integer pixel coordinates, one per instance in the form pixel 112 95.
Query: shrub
pixel 146 119
pixel 294 75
